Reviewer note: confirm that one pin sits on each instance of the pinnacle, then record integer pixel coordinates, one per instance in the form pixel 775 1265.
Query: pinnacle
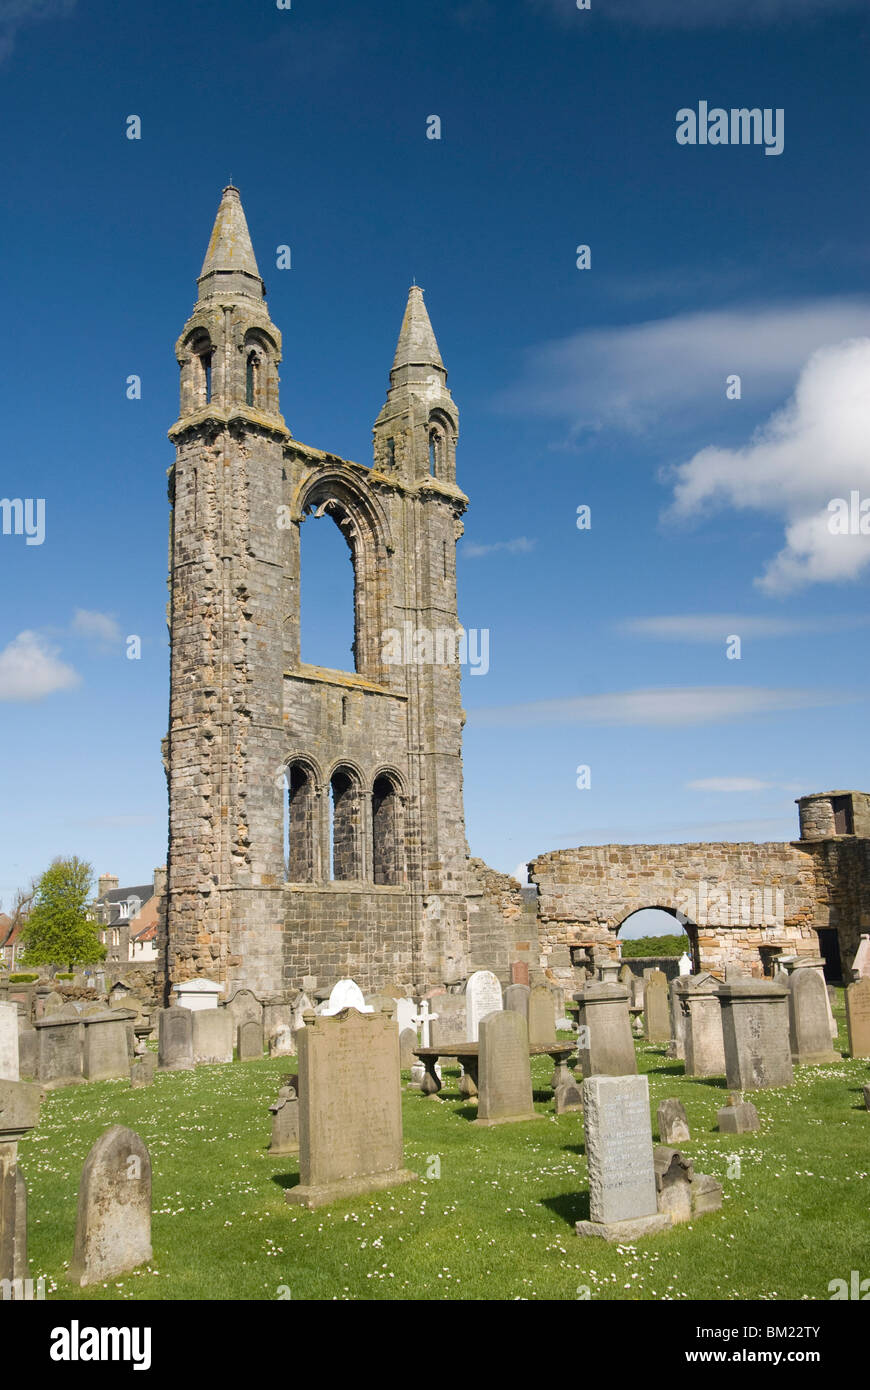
pixel 230 263
pixel 417 346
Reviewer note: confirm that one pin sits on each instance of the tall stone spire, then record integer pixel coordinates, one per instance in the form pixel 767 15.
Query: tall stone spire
pixel 417 355
pixel 230 266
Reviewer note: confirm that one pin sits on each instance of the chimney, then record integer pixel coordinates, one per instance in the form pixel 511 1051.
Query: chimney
pixel 106 883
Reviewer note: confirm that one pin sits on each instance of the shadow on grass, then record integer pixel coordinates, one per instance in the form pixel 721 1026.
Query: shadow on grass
pixel 286 1180
pixel 542 1097
pixel 579 1149
pixel 569 1206
pixel 719 1082
pixel 672 1069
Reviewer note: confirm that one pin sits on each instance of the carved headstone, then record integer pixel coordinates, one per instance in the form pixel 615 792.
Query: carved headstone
pixel 175 1039
pixel 250 1041
pixel 59 1060
pixel 105 1044
pixel 657 1023
pixel 697 999
pixel 113 1222
pixel 212 1035
pixel 756 1035
pixel 604 1043
pixel 285 1122
pixel 858 1017
pixel 619 1152
pixel 673 1123
pixel 809 1032
pixel 542 1016
pixel 482 997
pixel 504 1078
pixel 451 1025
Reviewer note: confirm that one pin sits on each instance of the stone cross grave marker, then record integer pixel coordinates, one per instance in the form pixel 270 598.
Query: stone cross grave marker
pixel 423 1020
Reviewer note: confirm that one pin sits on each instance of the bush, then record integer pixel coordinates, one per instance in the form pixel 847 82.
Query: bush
pixel 65 975
pixel 22 979
pixel 655 946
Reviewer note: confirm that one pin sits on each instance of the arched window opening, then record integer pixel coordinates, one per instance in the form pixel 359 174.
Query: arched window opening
pixel 344 829
pixel 205 363
pixel 252 378
pixel 327 597
pixel 301 827
pixel 651 924
pixel 391 452
pixel 434 452
pixel 386 832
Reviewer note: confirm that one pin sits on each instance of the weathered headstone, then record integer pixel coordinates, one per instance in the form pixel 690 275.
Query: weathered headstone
pixel 175 1039
pixel 482 997
pixel 504 1078
pixel 657 1023
pixel 520 973
pixel 568 1097
pixel 285 1122
pixel 516 999
pixel 28 1052
pixel 407 1044
pixel 59 1061
pixel 542 1016
pixel 756 1036
pixel 245 1007
pixel 673 1176
pixel 250 1041
pixel 105 1046
pixel 809 1033
pixel 142 1071
pixel 861 962
pixel 213 1035
pixel 858 1016
pixel 282 1042
pixel 451 1026
pixel 346 994
pixel 619 1152
pixel 406 1012
pixel 697 999
pixel 604 1043
pixel 350 1116
pixel 113 1222
pixel 737 1117
pixel 9 1065
pixel 673 1123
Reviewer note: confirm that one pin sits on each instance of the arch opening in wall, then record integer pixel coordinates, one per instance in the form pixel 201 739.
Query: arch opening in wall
pixel 662 922
pixel 388 866
pixel 327 594
pixel 301 824
pixel 345 830
pixel 442 446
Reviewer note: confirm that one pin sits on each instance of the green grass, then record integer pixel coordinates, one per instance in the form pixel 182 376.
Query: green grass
pixel 497 1224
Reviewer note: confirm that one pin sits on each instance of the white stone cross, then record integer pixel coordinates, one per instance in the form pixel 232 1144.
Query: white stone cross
pixel 424 1018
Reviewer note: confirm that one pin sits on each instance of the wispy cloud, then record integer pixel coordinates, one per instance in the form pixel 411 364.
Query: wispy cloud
pixel 662 706
pixel 807 454
pixel 17 14
pixel 706 14
pixel 30 669
pixel 520 546
pixel 100 626
pixel 729 784
pixel 665 371
pixel 715 627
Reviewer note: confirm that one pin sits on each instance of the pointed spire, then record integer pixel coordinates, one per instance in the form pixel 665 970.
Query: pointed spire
pixel 230 265
pixel 417 346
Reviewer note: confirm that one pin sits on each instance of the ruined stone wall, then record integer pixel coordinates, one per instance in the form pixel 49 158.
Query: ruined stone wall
pixel 502 926
pixel 842 890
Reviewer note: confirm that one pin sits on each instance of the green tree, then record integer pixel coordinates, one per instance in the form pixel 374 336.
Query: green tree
pixel 57 931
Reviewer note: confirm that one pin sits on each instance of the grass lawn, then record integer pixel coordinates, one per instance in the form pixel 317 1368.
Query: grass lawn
pixel 498 1221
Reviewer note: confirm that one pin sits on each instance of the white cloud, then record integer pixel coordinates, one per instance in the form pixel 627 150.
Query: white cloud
pixel 704 14
pixel 30 669
pixel 103 627
pixel 810 452
pixel 729 784
pixel 677 705
pixel 15 14
pixel 521 546
pixel 632 377
pixel 715 627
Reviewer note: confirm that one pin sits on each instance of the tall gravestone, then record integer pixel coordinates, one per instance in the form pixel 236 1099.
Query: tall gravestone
pixel 19 1112
pixel 516 998
pixel 697 997
pixel 542 1016
pixel 809 1031
pixel 59 1059
pixel 113 1222
pixel 858 1016
pixel 755 1033
pixel 619 1153
pixel 656 1015
pixel 504 1077
pixel 350 1109
pixel 105 1048
pixel 604 1043
pixel 482 997
pixel 175 1039
pixel 212 1035
pixel 250 1041
pixel 9 1066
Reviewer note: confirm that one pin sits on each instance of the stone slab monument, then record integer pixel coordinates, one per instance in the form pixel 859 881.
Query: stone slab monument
pixel 212 1035
pixel 808 1026
pixel 542 1016
pixel 504 1078
pixel 619 1152
pixel 656 1015
pixel 105 1047
pixel 756 1035
pixel 113 1222
pixel 175 1039
pixel 697 999
pixel 858 1016
pixel 604 1043
pixel 350 1108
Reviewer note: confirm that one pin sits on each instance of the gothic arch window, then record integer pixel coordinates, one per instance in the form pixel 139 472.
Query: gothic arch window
pixel 206 360
pixel 345 825
pixel 253 365
pixel 442 446
pixel 387 831
pixel 301 851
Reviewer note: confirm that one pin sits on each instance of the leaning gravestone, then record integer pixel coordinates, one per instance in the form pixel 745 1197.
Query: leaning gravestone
pixel 504 1077
pixel 755 1033
pixel 542 1016
pixel 809 1030
pixel 673 1123
pixel 482 997
pixel 604 1043
pixel 250 1041
pixel 619 1152
pixel 858 1017
pixel 657 1023
pixel 175 1039
pixel 350 1116
pixel 113 1223
pixel 212 1035
pixel 9 1067
pixel 516 999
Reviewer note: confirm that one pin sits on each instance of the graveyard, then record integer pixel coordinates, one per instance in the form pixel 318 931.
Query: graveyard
pixel 491 1212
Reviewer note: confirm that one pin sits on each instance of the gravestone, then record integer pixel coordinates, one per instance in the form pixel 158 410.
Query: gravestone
pixel 737 1117
pixel 657 1023
pixel 520 973
pixel 245 1007
pixel 482 997
pixel 608 971
pixel 197 994
pixel 212 1034
pixel 451 1025
pixel 9 1065
pixel 542 1016
pixel 604 1042
pixel 861 962
pixel 619 1152
pixel 143 1069
pixel 406 1012
pixel 673 1177
pixel 350 1113
pixel 175 1039
pixel 504 1078
pixel 346 994
pixel 673 1123
pixel 568 1097
pixel 250 1041
pixel 809 1032
pixel 105 1044
pixel 113 1222
pixel 407 1044
pixel 755 1033
pixel 28 1052
pixel 697 999
pixel 677 1043
pixel 59 1059
pixel 281 1041
pixel 516 999
pixel 866 1092
pixel 19 1112
pixel 285 1122
pixel 858 1017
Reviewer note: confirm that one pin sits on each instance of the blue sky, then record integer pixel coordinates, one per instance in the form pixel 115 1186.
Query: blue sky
pixel 604 387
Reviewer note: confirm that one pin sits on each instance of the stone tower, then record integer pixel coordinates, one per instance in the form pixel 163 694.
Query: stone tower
pixel 316 820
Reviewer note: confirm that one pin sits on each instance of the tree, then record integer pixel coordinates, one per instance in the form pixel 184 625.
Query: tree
pixel 58 931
